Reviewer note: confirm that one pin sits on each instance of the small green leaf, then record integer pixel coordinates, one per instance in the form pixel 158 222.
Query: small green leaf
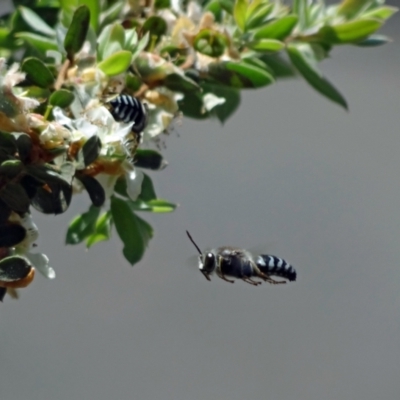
pixel 61 98
pixel 102 230
pixel 40 43
pixel 90 151
pixel 147 193
pixel 374 40
pixel 11 168
pixel 227 5
pixel 5 211
pixel 94 189
pixel 269 45
pixel 111 40
pixel 24 144
pixel 11 235
pixel 54 198
pixel 232 100
pixel 15 197
pixel 349 32
pixel 180 83
pixel 94 11
pixel 149 159
pixel 258 16
pixel 160 4
pixel 77 31
pixel 112 13
pixel 278 29
pixel 117 63
pixel 35 22
pixel 239 12
pixel 156 26
pixel 240 74
pixel 384 12
pixel 279 67
pixel 8 143
pixel 14 268
pixel 37 72
pixel 303 58
pixel 129 230
pixel 210 42
pixel 350 8
pixel 82 226
pixel 46 174
pixel 156 206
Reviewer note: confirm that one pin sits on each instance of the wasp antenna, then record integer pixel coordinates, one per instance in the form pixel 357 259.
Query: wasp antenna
pixel 195 245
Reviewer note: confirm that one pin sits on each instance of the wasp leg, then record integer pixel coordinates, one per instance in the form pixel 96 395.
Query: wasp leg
pixel 266 277
pixel 251 281
pixel 206 276
pixel 219 271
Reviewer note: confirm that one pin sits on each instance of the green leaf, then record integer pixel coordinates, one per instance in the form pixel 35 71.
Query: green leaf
pixel 37 72
pixel 14 268
pixel 94 189
pixel 102 230
pixel 240 74
pixel 279 67
pixel 147 193
pixel 239 13
pixel 156 26
pixel 350 8
pixel 349 32
pixel 112 13
pixel 180 83
pixel 303 58
pixel 54 198
pixel 156 206
pixel 40 43
pixel 149 159
pixel 24 144
pixel 231 96
pixel 11 168
pixel 8 143
pixel 258 15
pixel 160 4
pixel 210 42
pixel 384 12
pixel 227 5
pixel 374 40
pixel 278 29
pixel 15 197
pixel 35 22
pixel 270 45
pixel 90 151
pixel 129 230
pixel 94 11
pixel 46 174
pixel 192 106
pixel 11 235
pixel 61 98
pixel 77 31
pixel 117 63
pixel 82 226
pixel 111 40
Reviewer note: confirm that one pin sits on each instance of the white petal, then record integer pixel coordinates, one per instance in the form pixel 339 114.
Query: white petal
pixel 211 100
pixel 134 181
pixel 107 182
pixel 41 262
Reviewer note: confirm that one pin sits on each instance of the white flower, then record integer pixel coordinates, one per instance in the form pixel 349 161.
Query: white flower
pixel 38 260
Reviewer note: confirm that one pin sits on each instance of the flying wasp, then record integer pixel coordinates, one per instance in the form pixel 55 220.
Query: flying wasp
pixel 241 264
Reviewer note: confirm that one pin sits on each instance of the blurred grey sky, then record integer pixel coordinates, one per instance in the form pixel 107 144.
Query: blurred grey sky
pixel 290 170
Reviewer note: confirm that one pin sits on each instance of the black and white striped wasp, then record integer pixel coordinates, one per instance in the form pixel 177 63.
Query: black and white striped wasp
pixel 241 264
pixel 128 109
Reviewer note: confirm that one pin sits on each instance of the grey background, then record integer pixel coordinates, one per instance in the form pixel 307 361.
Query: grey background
pixel 290 170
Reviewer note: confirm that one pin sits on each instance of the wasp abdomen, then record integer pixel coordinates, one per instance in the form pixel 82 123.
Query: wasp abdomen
pixel 129 109
pixel 272 265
